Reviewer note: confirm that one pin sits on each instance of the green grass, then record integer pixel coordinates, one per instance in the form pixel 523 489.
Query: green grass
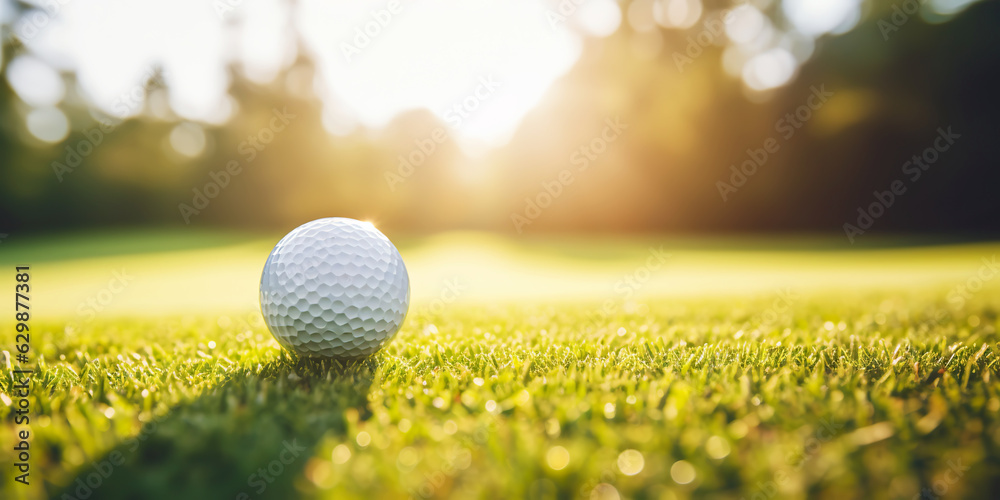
pixel 870 394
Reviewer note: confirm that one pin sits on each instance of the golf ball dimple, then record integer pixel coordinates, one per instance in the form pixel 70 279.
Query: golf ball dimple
pixel 334 287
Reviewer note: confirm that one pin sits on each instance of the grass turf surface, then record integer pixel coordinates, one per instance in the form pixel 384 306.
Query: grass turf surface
pixel 887 393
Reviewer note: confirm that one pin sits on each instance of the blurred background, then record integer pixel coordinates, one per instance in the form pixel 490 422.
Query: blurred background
pixel 512 116
pixel 609 162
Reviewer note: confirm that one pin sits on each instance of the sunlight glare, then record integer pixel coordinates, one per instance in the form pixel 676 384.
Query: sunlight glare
pixel 183 37
pixel 478 66
pixel 677 13
pixel 47 124
pixel 35 82
pixel 770 69
pixel 816 17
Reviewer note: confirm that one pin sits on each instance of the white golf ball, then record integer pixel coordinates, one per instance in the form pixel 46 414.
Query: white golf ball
pixel 334 287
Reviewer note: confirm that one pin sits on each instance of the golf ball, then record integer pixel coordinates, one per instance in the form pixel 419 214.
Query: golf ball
pixel 334 287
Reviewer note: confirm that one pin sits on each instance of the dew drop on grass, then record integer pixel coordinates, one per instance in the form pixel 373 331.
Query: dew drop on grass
pixel 363 439
pixel 557 458
pixel 404 426
pixel 552 427
pixel 631 462
pixel 341 454
pixel 717 447
pixel 604 491
pixel 738 429
pixel 407 459
pixel 682 472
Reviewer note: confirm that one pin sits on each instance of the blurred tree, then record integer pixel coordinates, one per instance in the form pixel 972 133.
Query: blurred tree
pixel 686 127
